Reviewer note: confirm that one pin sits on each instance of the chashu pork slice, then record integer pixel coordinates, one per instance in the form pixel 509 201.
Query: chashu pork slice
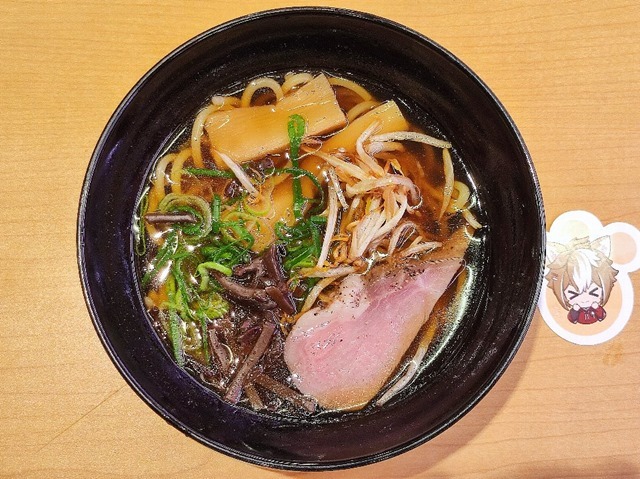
pixel 344 353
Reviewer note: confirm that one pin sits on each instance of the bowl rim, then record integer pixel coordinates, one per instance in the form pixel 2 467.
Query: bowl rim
pixel 465 407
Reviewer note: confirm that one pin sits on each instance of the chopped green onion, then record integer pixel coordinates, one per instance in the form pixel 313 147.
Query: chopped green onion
pixel 191 229
pixel 228 255
pixel 302 242
pixel 256 212
pixel 298 200
pixel 239 230
pixel 213 306
pixel 192 204
pixel 215 266
pixel 297 173
pixel 318 220
pixel 171 290
pixel 209 172
pixel 296 130
pixel 185 296
pixel 317 240
pixel 165 253
pixel 303 258
pixel 175 334
pixel 215 213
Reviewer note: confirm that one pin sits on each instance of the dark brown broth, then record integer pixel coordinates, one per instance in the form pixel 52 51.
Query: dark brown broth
pixel 240 328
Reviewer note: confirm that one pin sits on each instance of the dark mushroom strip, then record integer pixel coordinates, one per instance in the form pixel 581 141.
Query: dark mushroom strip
pixel 284 300
pixel 159 217
pixel 280 293
pixel 272 260
pixel 234 391
pixel 255 267
pixel 246 339
pixel 219 352
pixel 253 397
pixel 285 392
pixel 256 296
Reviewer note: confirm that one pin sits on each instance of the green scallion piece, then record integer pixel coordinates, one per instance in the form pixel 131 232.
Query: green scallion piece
pixel 317 239
pixel 296 129
pixel 240 231
pixel 318 220
pixel 205 338
pixel 184 296
pixel 298 173
pixel 175 334
pixel 165 253
pixel 216 204
pixel 215 266
pixel 303 258
pixel 203 271
pixel 209 172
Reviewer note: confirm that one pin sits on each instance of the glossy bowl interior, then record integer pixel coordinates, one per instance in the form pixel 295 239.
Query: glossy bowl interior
pixel 424 77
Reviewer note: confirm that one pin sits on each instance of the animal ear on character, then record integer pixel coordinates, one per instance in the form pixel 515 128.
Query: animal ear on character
pixel 602 244
pixel 554 250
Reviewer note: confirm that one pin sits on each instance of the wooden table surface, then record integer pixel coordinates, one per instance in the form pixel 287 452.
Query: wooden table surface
pixel 569 74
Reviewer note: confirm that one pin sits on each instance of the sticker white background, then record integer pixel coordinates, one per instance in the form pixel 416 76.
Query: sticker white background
pixel 625 254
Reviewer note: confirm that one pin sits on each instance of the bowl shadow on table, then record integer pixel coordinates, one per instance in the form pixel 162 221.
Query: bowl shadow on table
pixel 429 455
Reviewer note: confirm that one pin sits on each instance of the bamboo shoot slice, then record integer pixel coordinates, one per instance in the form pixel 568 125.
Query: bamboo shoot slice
pixel 246 134
pixel 389 116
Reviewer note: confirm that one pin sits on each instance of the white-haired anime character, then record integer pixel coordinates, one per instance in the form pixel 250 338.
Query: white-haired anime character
pixel 581 277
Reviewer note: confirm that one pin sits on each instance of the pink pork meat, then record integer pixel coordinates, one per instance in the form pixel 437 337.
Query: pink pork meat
pixel 343 354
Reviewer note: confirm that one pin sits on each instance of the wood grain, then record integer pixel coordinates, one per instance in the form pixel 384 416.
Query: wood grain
pixel 569 74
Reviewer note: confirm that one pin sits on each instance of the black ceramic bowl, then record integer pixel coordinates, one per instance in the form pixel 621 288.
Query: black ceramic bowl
pixel 422 76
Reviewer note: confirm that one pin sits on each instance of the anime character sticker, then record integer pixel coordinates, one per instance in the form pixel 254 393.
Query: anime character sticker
pixel 581 277
pixel 587 295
